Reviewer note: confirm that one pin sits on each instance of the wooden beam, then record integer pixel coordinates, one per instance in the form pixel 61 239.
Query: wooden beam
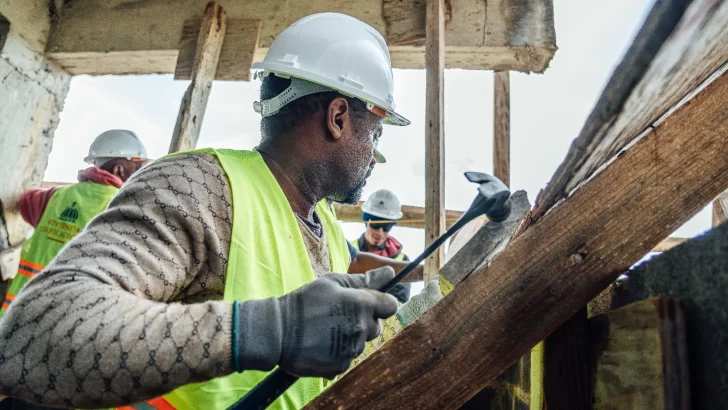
pixel 641 358
pixel 142 37
pixel 502 126
pixel 413 216
pixel 236 56
pixel 406 20
pixel 207 53
pixel 435 134
pixel 552 269
pixel 674 52
pixel 720 209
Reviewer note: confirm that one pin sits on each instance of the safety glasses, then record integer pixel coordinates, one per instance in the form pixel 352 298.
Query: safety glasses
pixel 386 227
pixel 377 223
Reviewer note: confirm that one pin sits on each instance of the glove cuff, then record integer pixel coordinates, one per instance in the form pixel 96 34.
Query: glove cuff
pixel 258 334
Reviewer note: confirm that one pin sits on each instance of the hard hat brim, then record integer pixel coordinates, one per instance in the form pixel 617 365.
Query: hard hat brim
pixel 92 159
pixel 383 215
pixel 391 118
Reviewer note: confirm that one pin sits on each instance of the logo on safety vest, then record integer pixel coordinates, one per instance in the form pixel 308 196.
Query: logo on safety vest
pixel 70 214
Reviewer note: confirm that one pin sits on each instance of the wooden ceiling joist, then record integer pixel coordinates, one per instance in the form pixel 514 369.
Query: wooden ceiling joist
pixel 565 258
pixel 142 37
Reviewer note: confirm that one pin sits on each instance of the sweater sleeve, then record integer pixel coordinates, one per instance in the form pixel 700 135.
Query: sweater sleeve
pixel 33 203
pixel 103 325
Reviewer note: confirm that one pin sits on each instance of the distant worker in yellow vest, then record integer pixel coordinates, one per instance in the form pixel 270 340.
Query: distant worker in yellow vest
pixel 210 268
pixel 58 214
pixel 380 213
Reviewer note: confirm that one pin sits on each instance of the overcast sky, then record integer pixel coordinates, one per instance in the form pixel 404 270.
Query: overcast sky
pixel 547 112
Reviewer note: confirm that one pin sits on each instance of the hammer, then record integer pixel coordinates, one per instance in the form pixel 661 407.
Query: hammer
pixel 493 200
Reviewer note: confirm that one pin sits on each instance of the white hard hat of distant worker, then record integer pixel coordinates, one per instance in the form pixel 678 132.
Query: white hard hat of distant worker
pixel 383 204
pixel 116 144
pixel 332 52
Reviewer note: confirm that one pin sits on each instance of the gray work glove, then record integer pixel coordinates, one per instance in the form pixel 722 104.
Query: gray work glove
pixel 316 330
pixel 420 303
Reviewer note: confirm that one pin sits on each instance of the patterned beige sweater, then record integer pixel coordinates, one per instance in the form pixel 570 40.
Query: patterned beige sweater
pixel 132 308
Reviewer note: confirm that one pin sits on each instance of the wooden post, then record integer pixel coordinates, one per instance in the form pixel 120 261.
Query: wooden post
pixel 720 209
pixel 434 133
pixel 207 55
pixel 502 126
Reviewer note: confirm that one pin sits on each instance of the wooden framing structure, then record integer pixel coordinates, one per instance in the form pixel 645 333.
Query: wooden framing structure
pixel 48 41
pixel 650 155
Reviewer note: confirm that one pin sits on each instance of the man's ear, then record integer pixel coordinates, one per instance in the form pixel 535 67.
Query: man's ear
pixel 337 116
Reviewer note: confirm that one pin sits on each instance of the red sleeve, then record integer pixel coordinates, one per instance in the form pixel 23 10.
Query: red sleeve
pixel 33 203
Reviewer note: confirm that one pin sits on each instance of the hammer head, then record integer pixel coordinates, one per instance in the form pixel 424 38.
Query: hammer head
pixel 493 197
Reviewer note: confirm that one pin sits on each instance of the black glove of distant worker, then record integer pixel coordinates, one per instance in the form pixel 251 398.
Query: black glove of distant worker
pixel 316 330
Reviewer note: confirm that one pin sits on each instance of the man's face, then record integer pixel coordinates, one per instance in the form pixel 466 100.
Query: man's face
pixel 375 235
pixel 356 160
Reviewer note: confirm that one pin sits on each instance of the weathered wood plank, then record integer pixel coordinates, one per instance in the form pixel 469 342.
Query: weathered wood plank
pixel 207 54
pixel 486 243
pixel 641 357
pixel 502 126
pixel 406 20
pixel 236 56
pixel 673 53
pixel 720 209
pixel 668 244
pixel 463 236
pixel 551 270
pixel 435 134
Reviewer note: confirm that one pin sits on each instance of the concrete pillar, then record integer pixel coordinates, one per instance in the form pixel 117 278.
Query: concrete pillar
pixel 32 91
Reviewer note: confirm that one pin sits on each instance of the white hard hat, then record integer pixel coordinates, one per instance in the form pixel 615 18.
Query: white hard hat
pixel 332 51
pixel 383 204
pixel 116 144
